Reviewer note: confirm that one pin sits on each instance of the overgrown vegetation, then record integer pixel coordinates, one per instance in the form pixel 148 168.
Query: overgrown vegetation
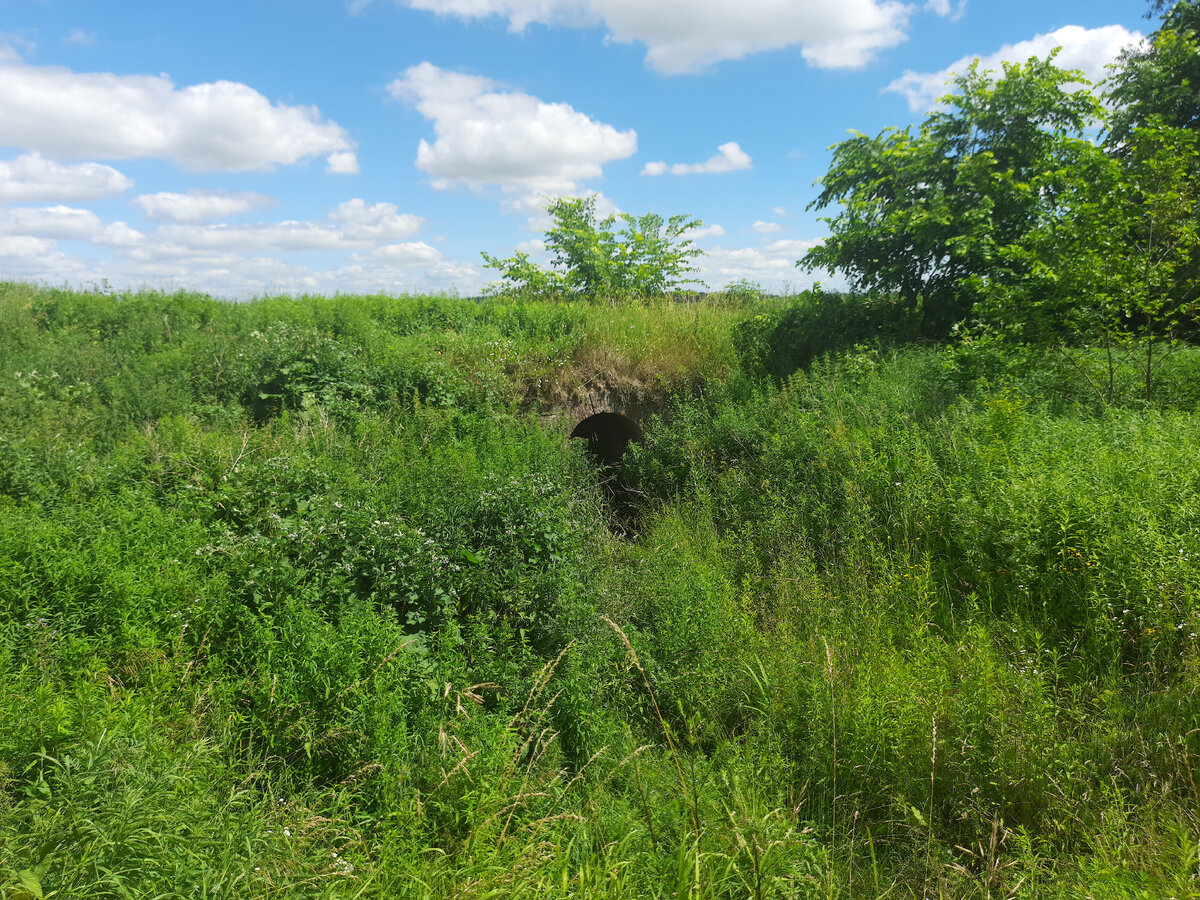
pixel 303 598
pixel 315 598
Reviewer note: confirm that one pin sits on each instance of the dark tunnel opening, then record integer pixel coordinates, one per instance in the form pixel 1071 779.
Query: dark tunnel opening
pixel 608 435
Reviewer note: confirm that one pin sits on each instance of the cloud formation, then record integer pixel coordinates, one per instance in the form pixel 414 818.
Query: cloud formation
pixel 489 137
pixel 729 158
pixel 33 178
pixel 222 125
pixel 687 35
pixel 48 224
pixel 1089 49
pixel 707 231
pixel 199 205
pixel 232 260
pixel 773 265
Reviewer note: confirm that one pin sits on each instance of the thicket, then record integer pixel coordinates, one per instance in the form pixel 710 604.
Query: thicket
pixel 304 598
pixel 1001 216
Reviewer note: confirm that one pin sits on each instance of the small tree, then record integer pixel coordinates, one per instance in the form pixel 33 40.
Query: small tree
pixel 647 257
pixel 1108 256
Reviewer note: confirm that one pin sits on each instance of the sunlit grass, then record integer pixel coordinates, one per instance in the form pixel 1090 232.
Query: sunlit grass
pixel 301 598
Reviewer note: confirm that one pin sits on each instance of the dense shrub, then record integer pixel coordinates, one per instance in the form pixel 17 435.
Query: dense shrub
pixel 296 598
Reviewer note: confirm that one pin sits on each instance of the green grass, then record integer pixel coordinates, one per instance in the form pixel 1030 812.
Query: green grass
pixel 302 598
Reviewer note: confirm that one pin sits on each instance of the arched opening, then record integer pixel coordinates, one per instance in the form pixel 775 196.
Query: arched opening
pixel 608 435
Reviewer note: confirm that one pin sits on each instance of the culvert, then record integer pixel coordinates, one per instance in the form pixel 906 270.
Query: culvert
pixel 608 435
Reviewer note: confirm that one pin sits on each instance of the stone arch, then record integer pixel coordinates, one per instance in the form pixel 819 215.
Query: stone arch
pixel 608 435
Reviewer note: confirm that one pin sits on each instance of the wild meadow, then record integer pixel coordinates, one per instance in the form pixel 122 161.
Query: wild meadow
pixel 315 597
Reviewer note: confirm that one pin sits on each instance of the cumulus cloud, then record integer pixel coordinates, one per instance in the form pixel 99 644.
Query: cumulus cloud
pixel 221 125
pixel 489 137
pixel 18 246
pixel 378 222
pixel 56 222
pixel 118 234
pixel 33 178
pixel 708 231
pixel 729 158
pixel 407 254
pixel 344 162
pixel 233 260
pixel 773 265
pixel 687 35
pixel 762 227
pixel 536 245
pixel 1089 49
pixel 45 225
pixel 275 237
pixel 199 205
pixel 353 226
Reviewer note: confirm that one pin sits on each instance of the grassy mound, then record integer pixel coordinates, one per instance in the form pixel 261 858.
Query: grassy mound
pixel 307 598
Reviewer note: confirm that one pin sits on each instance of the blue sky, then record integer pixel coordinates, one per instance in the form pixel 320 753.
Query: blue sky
pixel 324 146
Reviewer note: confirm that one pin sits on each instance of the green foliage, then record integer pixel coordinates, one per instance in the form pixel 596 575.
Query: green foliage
pixel 1161 78
pixel 648 257
pixel 778 342
pixel 922 214
pixel 914 622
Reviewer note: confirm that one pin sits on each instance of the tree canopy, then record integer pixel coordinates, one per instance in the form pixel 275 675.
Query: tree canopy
pixel 1026 207
pixel 922 213
pixel 592 258
pixel 1160 78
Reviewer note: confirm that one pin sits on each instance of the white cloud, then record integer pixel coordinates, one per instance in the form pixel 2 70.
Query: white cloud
pixel 407 254
pixel 353 225
pixel 729 158
pixel 199 205
pixel 779 211
pixel 378 222
pixel 772 265
pixel 32 178
pixel 65 223
pixel 708 231
pixel 1089 49
pixel 278 237
pixel 12 45
pixel 344 162
pixel 58 222
pixel 23 246
pixel 80 38
pixel 944 8
pixel 118 234
pixel 535 246
pixel 221 125
pixel 762 227
pixel 687 35
pixel 488 137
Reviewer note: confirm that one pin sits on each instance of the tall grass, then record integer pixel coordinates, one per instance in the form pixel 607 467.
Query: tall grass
pixel 301 598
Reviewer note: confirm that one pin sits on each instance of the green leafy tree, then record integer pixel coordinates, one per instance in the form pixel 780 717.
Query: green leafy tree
pixel 924 215
pixel 1109 256
pixel 591 257
pixel 1155 86
pixel 1160 78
